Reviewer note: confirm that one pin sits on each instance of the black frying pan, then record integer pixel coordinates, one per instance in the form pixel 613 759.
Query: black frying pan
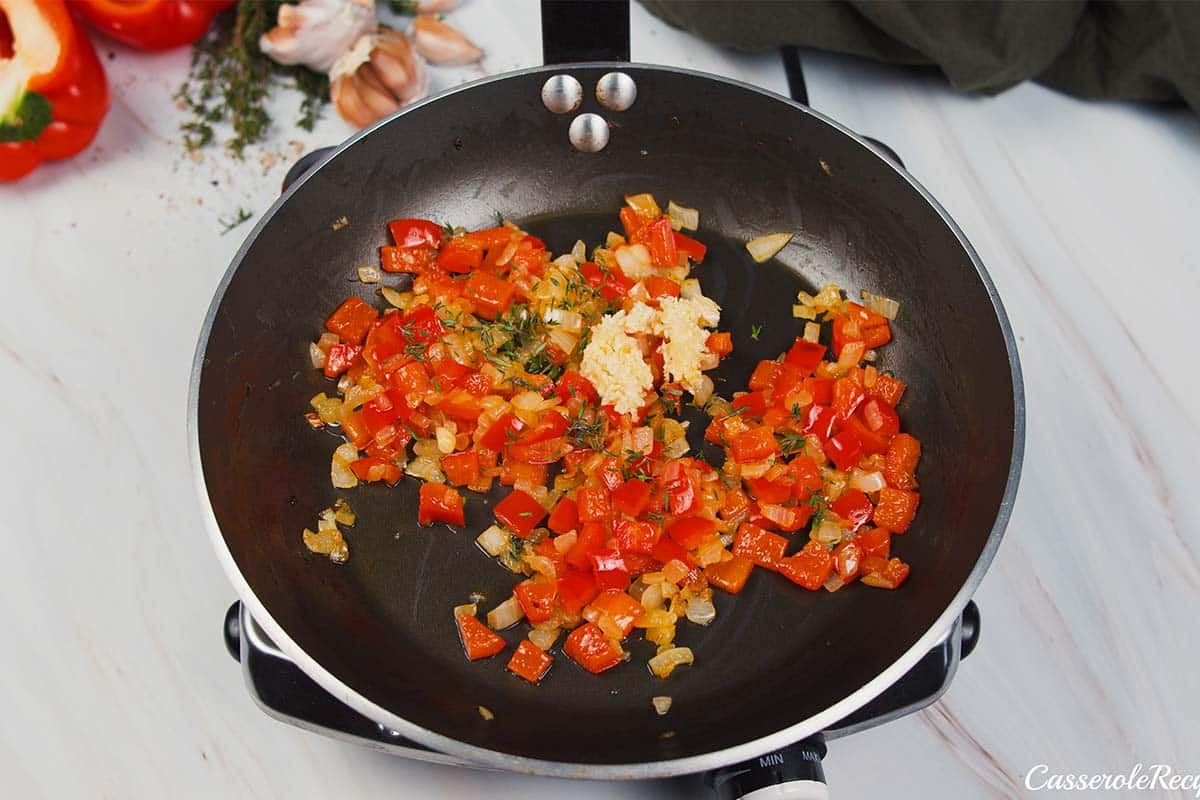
pixel 779 663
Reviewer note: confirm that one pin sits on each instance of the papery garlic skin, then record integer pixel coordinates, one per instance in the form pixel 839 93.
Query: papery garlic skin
pixel 441 44
pixel 316 33
pixel 378 75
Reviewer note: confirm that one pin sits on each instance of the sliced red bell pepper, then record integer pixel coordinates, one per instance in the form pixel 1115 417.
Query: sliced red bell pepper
pixel 872 442
pixel 352 320
pixel 661 287
pixel 588 647
pixel 660 241
pixel 765 375
pixel 720 344
pixel 690 247
pixel 809 568
pixel 462 469
pixel 896 509
pixel 152 24
pixel 821 390
pixel 573 385
pixel 762 547
pixel 530 661
pixel 771 491
pixel 888 389
pixel 53 83
pixel 610 570
pixel 881 417
pixel 844 449
pixel 633 223
pixel 848 395
pixel 680 489
pixel 854 507
pixel 755 403
pixel 478 640
pixel 519 512
pixel 543 452
pixel 536 598
pixel 731 575
pixel 636 535
pixel 439 503
pixel 808 477
pixel 622 609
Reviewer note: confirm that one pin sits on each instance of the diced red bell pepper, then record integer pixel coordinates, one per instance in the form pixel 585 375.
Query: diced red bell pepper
pixel 543 452
pixel 762 547
pixel 513 472
pixel 411 379
pixel 690 247
pixel 896 509
pixel 887 389
pixel 770 491
pixel 491 238
pixel 478 640
pixel 756 444
pixel 821 390
pixel 376 469
pixel 854 507
pixel 460 254
pixel 589 541
pixel 819 421
pixel 536 598
pixel 636 536
pixel 805 355
pixel 530 661
pixel 611 281
pixel 734 504
pixel 755 403
pixel 519 512
pixel 692 532
pixel 661 287
pixel 881 417
pixel 848 395
pixel 884 575
pixel 352 320
pixel 575 590
pixel 439 503
pixel 622 609
pixel 416 233
pixel 462 469
pixel 632 497
pixel 340 358
pixel 413 260
pixel 720 344
pixel 875 542
pixel 809 568
pixel 492 296
pixel 572 384
pixel 808 477
pixel 501 432
pixel 660 241
pixel 610 570
pixel 680 489
pixel 900 463
pixel 872 442
pixel 765 375
pixel 845 449
pixel 730 575
pixel 633 223
pixel 588 647
pixel 477 384
pixel 847 560
pixel 564 517
pixel 552 425
pixel 593 503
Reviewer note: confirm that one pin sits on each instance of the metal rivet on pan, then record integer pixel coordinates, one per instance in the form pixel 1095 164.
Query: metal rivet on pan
pixel 616 91
pixel 562 94
pixel 589 133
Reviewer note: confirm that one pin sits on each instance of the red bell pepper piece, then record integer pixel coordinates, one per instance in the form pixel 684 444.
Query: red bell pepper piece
pixel 564 517
pixel 821 390
pixel 887 389
pixel 692 532
pixel 352 320
pixel 786 518
pixel 875 542
pixel 574 385
pixel 770 491
pixel 152 24
pixel 872 442
pixel 881 417
pixel 544 452
pixel 416 233
pixel 756 444
pixel 680 489
pixel 884 574
pixel 635 535
pixel 730 575
pixel 492 296
pixel 439 503
pixel 805 355
pixel 610 570
pixel 519 512
pixel 530 661
pixel 690 247
pixel 631 498
pixel 809 568
pixel 502 431
pixel 720 344
pixel 513 472
pixel 845 449
pixel 667 549
pixel 588 647
pixel 854 507
pixel 339 359
pixel 611 281
pixel 661 287
pixel 57 94
pixel 415 260
pixel 808 478
pixel 765 375
pixel 536 598
pixel 622 609
pixel 848 395
pixel 900 463
pixel 589 540
pixel 632 222
pixel 478 640
pixel 896 509
pixel 593 503
pixel 660 241
pixel 462 469
pixel 754 403
pixel 762 547
pixel 575 590
pixel 376 469
pixel 847 560
pixel 460 254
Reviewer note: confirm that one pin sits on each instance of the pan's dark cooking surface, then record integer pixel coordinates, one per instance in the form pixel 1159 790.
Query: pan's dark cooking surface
pixel 752 164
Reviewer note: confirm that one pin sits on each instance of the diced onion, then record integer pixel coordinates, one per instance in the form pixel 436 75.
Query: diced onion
pixel 343 514
pixel 339 468
pixel 427 469
pixel 644 204
pixel 564 542
pixel 569 321
pixel 579 251
pixel 542 565
pixel 866 481
pixel 368 274
pixel 690 289
pixel 486 713
pixel 763 248
pixel 827 533
pixel 655 618
pixel 676 449
pixel 613 240
pixel 852 353
pixel 683 218
pixel 563 340
pixel 812 332
pixel 662 704
pixel 652 597
pixel 466 610
pixel 665 662
pixel 494 541
pixel 675 570
pixel 703 390
pixel 803 312
pixel 505 615
pixel 701 611
pixel 543 638
pixel 392 296
pixel 316 355
pixel 634 260
pixel 834 582
pixel 881 305
pixel 327 341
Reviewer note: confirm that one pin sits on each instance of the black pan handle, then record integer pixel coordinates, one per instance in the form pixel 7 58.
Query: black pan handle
pixel 791 773
pixel 584 30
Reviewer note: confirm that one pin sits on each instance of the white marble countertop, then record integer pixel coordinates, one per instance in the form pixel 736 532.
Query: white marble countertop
pixel 114 681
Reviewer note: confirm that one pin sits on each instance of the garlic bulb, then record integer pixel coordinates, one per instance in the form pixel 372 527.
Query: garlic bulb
pixel 379 74
pixel 316 32
pixel 441 44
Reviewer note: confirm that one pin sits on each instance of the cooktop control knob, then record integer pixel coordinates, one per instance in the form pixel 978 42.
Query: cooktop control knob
pixel 791 773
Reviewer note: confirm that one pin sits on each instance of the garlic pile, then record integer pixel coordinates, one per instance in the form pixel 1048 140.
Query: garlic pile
pixel 373 70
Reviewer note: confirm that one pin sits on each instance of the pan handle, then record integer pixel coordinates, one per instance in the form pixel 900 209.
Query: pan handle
pixel 585 30
pixel 791 773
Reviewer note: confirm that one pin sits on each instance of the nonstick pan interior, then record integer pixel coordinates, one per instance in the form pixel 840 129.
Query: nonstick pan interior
pixel 752 163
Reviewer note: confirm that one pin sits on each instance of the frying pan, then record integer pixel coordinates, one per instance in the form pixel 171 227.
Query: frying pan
pixel 779 663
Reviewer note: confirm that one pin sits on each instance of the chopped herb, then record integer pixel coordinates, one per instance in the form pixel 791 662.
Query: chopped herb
pixel 790 443
pixel 415 351
pixel 755 330
pixel 241 216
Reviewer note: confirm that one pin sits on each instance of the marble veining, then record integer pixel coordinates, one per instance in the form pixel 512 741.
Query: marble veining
pixel 114 682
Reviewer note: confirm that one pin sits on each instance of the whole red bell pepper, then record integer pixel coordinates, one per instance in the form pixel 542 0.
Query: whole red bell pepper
pixel 152 24
pixel 53 93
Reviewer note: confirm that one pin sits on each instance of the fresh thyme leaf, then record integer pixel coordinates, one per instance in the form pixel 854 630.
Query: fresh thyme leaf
pixel 240 216
pixel 790 443
pixel 755 330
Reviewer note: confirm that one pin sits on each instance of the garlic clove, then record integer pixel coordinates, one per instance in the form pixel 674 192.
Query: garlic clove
pixel 441 44
pixel 378 75
pixel 400 68
pixel 316 32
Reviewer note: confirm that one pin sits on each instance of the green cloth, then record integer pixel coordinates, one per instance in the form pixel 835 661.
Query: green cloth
pixel 1118 50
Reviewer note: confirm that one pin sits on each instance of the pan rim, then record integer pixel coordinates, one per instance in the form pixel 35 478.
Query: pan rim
pixel 632 770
